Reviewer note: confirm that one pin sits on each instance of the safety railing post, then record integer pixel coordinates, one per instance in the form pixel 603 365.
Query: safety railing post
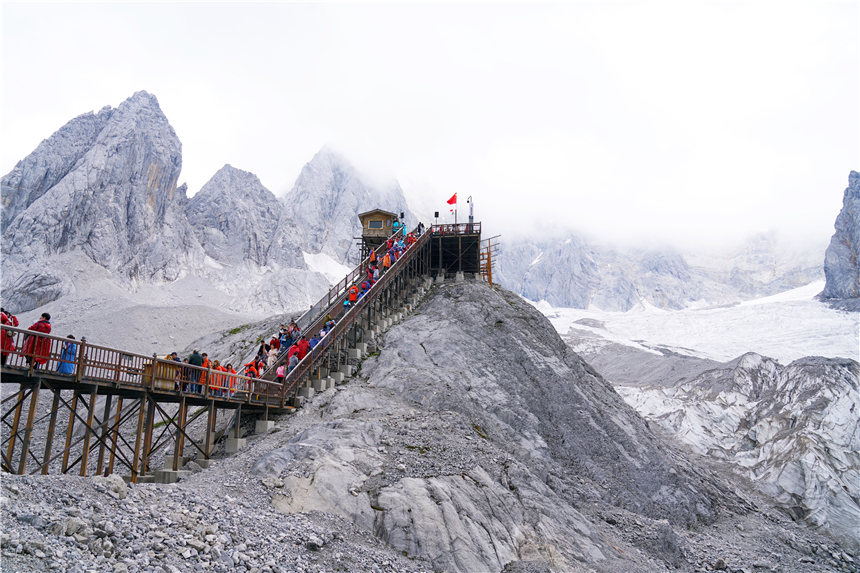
pixel 152 372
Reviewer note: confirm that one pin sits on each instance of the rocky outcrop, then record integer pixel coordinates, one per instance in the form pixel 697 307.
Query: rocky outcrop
pixel 106 185
pixel 325 202
pixel 842 258
pixel 476 439
pixel 793 429
pixel 238 220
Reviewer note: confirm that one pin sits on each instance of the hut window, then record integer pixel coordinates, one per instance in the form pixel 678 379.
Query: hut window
pixel 374 224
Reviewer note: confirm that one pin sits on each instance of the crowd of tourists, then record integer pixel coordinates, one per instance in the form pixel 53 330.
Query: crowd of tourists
pixel 35 348
pixel 289 340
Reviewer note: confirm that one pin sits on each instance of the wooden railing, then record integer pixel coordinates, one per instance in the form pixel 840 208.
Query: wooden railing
pixel 345 321
pixel 457 229
pixel 53 356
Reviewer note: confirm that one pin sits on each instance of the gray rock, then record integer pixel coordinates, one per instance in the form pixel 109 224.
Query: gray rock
pixel 842 258
pixel 113 196
pixel 237 222
pixel 326 199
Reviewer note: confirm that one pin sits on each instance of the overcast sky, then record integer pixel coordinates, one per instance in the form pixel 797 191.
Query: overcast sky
pixel 663 121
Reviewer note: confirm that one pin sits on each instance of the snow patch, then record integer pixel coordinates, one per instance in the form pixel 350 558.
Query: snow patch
pixel 210 262
pixel 785 327
pixel 326 266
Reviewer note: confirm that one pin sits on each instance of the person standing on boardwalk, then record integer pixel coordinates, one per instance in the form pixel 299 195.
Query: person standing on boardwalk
pixel 67 357
pixel 37 348
pixel 195 360
pixel 6 338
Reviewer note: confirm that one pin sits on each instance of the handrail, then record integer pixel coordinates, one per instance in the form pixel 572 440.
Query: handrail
pixel 340 289
pixel 305 365
pixel 101 364
pixel 456 229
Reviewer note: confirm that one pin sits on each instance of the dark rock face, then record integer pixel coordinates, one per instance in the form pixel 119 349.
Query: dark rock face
pixel 104 184
pixel 237 219
pixel 842 259
pixel 326 199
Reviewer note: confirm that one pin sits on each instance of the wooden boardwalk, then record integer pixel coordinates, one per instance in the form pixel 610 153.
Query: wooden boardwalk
pixel 135 390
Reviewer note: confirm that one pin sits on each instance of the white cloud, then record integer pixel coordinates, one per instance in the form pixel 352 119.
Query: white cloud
pixel 667 120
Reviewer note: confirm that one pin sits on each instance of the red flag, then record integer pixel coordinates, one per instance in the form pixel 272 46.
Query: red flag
pixel 453 200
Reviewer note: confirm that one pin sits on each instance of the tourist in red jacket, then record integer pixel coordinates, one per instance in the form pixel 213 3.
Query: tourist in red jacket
pixel 38 347
pixel 6 338
pixel 304 346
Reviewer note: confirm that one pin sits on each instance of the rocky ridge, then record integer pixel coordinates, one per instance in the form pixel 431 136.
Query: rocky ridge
pixel 104 185
pixel 842 258
pixel 792 429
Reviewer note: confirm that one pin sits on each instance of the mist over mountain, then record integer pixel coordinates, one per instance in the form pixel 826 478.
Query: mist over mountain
pixel 325 201
pixel 572 271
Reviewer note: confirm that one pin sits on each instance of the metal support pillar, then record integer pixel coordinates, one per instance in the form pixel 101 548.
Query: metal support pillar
pixel 138 439
pixel 115 437
pixel 210 428
pixel 147 439
pixel 179 438
pixel 13 434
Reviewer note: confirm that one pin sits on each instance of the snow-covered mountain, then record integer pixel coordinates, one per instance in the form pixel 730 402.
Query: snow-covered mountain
pixel 795 430
pixel 104 186
pixel 788 422
pixel 574 272
pixel 325 201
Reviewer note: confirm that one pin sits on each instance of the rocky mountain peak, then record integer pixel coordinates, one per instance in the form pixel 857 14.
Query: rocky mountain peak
pixel 104 184
pixel 326 199
pixel 842 258
pixel 236 219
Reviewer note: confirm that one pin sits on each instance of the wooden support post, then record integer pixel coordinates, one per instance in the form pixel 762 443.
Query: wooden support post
pixel 69 430
pixel 13 434
pixel 179 439
pixel 115 436
pixel 91 414
pixel 52 425
pixel 210 428
pixel 104 431
pixel 147 440
pixel 138 439
pixel 28 429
